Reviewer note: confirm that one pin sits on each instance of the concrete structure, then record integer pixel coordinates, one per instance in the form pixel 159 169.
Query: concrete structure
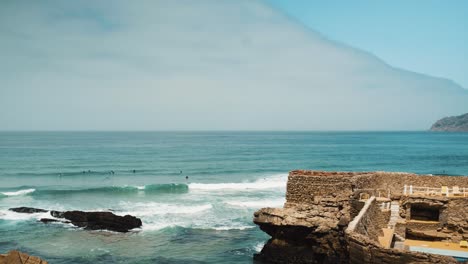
pixel 368 217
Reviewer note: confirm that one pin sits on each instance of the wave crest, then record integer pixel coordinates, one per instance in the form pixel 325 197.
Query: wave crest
pixel 277 182
pixel 123 190
pixel 19 192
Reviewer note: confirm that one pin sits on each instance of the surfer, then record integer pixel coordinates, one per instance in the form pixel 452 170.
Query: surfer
pixel 134 171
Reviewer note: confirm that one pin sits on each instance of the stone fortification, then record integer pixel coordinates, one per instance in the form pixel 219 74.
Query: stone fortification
pixel 313 225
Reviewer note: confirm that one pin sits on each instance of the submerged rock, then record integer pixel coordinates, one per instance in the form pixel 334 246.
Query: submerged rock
pixel 48 220
pixel 88 220
pixel 16 257
pixel 27 210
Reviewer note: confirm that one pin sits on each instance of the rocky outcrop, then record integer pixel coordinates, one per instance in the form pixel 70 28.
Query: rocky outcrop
pixel 334 217
pixel 28 210
pixel 303 235
pixel 100 220
pixel 88 220
pixel 16 257
pixel 310 229
pixel 452 124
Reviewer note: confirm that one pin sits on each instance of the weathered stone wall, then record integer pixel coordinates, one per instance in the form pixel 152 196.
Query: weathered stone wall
pixel 395 181
pixel 457 213
pixel 369 221
pixel 307 187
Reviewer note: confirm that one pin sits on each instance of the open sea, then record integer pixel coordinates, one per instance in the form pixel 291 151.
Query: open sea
pixel 206 218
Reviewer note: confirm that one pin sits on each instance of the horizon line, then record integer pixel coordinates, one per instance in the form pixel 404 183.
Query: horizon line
pixel 222 130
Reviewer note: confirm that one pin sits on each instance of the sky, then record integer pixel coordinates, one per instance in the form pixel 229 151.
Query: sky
pixel 216 65
pixel 426 36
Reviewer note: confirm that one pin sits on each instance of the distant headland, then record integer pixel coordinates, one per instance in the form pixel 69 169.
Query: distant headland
pixel 452 124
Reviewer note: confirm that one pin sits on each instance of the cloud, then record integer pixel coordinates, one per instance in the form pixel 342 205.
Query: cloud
pixel 209 64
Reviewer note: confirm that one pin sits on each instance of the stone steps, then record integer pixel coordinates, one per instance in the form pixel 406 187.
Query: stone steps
pixel 394 214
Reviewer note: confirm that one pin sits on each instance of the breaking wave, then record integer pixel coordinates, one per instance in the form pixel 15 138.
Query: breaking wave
pixel 147 189
pixel 275 182
pixel 16 193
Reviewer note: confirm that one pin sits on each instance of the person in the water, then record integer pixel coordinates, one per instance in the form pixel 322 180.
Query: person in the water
pixel 186 177
pixel 134 171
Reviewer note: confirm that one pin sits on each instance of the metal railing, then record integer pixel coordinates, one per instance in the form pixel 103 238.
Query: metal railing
pixel 455 191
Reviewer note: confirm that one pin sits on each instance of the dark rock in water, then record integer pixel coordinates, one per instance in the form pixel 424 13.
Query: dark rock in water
pixel 452 124
pixel 27 210
pixel 48 220
pixel 88 220
pixel 100 220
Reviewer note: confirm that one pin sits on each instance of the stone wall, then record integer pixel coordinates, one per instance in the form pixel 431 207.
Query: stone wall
pixel 395 181
pixel 369 221
pixel 457 214
pixel 305 186
pixel 308 187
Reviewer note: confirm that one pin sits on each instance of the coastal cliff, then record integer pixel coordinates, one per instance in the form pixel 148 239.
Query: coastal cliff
pixel 343 217
pixel 310 227
pixel 452 124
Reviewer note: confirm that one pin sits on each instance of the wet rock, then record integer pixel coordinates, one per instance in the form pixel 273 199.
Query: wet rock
pixel 27 210
pixel 48 220
pixel 88 220
pixel 100 220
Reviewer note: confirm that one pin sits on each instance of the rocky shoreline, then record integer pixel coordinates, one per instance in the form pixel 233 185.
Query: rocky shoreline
pixel 87 220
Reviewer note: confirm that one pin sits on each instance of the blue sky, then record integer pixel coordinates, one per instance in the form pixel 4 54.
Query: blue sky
pixel 426 36
pixel 229 65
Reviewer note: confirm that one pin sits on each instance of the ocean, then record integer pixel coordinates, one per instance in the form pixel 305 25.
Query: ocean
pixel 205 218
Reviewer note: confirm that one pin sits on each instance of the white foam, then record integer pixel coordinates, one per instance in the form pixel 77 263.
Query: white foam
pixel 226 228
pixel 153 208
pixel 20 192
pixel 14 216
pixel 154 226
pixel 275 182
pixel 259 247
pixel 158 225
pixel 258 203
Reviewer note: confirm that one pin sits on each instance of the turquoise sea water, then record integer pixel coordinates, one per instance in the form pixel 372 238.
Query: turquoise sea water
pixel 205 219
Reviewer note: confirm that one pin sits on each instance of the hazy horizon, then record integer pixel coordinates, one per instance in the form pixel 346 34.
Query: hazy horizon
pixel 200 66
